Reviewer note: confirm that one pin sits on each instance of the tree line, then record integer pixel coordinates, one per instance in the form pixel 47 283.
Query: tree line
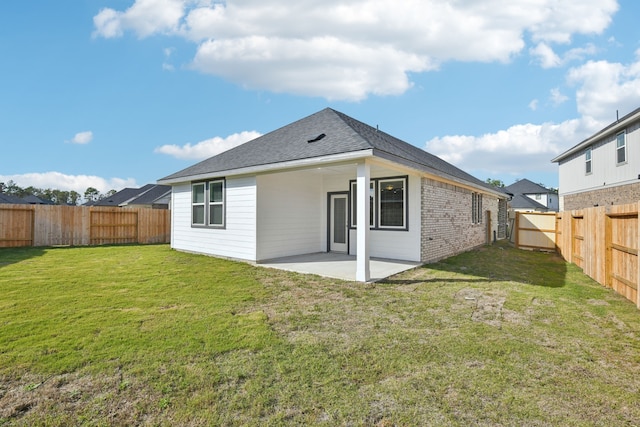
pixel 58 197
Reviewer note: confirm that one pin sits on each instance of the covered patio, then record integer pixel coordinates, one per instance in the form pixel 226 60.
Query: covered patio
pixel 338 266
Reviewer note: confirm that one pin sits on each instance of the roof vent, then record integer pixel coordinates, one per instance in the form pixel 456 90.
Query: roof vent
pixel 317 138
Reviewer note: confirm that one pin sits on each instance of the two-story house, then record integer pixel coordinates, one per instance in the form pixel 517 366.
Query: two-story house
pixel 604 169
pixel 531 197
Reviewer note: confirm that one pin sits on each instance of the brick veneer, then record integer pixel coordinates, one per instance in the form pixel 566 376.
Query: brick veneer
pixel 446 220
pixel 620 195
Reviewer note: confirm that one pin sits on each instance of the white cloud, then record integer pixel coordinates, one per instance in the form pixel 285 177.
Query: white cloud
pixel 604 87
pixel 517 150
pixel 557 97
pixel 82 138
pixel 350 50
pixel 533 105
pixel 346 71
pixel 60 181
pixel 207 148
pixel 547 58
pixel 144 17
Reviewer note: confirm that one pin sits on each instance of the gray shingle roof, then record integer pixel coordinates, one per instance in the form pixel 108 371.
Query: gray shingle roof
pixel 523 202
pixel 35 200
pixel 123 196
pixel 150 196
pixel 524 186
pixel 9 199
pixel 342 134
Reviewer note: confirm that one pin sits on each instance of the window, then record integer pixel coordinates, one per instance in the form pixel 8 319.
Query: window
pixel 538 196
pixel 476 208
pixel 197 204
pixel 392 203
pixel 621 148
pixel 587 161
pixel 387 203
pixel 354 203
pixel 216 203
pixel 207 203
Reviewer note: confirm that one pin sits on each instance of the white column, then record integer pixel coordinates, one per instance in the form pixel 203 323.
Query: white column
pixel 363 273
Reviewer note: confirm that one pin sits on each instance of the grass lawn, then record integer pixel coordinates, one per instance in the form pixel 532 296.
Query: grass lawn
pixel 143 335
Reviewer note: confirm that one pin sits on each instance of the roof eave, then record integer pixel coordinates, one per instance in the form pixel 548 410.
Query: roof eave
pixel 611 129
pixel 437 174
pixel 272 167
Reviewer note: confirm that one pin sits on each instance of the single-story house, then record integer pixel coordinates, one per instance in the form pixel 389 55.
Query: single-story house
pixel 297 190
pixel 27 200
pixel 11 200
pixel 148 196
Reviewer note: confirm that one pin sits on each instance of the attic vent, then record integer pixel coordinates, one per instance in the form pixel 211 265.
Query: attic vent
pixel 317 138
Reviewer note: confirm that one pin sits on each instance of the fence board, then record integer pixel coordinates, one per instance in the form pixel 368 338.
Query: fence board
pixel 16 227
pixel 604 242
pixel 535 230
pixel 42 225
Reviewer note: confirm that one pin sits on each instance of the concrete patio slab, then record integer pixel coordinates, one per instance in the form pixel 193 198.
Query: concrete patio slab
pixel 338 266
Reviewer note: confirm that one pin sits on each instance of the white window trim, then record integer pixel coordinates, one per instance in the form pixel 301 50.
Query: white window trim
pixel 375 183
pixel 588 161
pixel 207 203
pixel 380 187
pixel 624 147
pixel 372 221
pixel 221 203
pixel 198 204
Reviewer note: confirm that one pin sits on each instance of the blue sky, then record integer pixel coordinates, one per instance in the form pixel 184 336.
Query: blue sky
pixel 120 93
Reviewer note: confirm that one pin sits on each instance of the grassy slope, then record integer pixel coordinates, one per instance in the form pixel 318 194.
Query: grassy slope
pixel 145 335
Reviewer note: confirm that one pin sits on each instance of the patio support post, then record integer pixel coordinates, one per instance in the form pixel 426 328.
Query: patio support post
pixel 363 273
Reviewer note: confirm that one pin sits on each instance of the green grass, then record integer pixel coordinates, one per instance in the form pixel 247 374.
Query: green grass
pixel 143 335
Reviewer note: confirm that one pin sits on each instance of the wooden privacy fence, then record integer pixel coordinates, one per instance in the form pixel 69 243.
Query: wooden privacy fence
pixel 42 225
pixel 603 241
pixel 533 230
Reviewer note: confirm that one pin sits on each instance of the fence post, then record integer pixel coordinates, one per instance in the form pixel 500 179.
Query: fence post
pixel 516 230
pixel 608 233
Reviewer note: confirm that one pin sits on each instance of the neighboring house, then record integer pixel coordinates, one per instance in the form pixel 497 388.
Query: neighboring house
pixel 28 200
pixel 157 197
pixel 11 200
pixel 296 191
pixel 35 200
pixel 151 196
pixel 531 197
pixel 604 169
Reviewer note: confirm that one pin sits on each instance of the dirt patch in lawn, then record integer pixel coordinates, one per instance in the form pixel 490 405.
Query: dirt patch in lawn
pixel 111 398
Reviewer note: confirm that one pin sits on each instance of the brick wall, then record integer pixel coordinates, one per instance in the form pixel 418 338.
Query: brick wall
pixel 620 195
pixel 446 220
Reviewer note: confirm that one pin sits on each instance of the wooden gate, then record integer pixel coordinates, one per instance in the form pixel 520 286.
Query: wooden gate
pixel 577 240
pixel 114 227
pixel 16 227
pixel 535 230
pixel 621 258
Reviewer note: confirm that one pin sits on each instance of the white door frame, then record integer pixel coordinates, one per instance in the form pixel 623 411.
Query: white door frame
pixel 338 240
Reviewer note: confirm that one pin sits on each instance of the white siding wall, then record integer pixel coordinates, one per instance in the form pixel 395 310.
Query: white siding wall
pixel 548 200
pixel 605 172
pixel 237 240
pixel 283 214
pixel 290 220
